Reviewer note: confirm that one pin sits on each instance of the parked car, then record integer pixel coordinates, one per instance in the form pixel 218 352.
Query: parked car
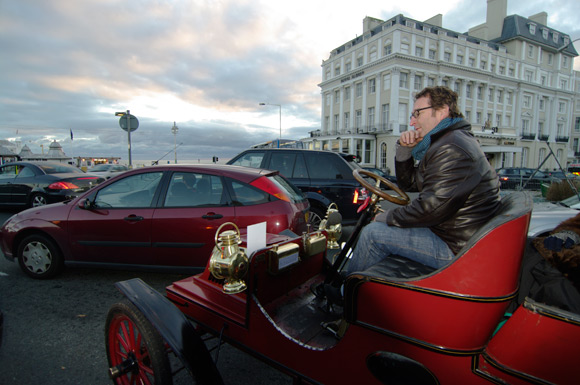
pixel 518 177
pixel 163 217
pixel 563 175
pixel 323 176
pixel 33 184
pixel 379 172
pixel 108 170
pixel 547 215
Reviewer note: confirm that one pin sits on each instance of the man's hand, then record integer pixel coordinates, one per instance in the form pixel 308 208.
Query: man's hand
pixel 409 138
pixel 563 239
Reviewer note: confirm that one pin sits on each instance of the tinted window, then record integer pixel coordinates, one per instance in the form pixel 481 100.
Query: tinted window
pixel 58 169
pixel 327 166
pixel 8 172
pixel 133 191
pixel 250 159
pixel 25 172
pixel 187 189
pixel 247 195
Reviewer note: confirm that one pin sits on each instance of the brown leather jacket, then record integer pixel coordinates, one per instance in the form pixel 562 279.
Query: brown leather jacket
pixel 459 190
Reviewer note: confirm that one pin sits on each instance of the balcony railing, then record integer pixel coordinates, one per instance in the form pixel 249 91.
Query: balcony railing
pixel 528 136
pixel 543 137
pixel 562 139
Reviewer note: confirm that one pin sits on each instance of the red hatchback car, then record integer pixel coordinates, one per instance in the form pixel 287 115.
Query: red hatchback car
pixel 163 217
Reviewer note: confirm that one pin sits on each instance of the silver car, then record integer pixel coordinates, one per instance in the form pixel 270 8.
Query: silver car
pixel 547 215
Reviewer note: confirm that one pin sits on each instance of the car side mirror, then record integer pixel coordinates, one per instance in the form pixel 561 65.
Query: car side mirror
pixel 87 204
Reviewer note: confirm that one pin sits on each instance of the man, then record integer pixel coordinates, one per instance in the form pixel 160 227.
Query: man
pixel 458 189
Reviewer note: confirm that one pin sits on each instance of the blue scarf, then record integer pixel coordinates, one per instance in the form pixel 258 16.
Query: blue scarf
pixel 420 149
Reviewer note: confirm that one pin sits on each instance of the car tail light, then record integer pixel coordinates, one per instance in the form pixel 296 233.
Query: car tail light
pixel 265 184
pixel 62 186
pixel 360 194
pixel 504 178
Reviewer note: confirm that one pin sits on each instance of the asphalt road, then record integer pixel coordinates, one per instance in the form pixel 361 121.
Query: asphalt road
pixel 54 329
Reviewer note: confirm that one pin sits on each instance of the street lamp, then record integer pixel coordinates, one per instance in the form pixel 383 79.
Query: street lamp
pixel 174 130
pixel 280 107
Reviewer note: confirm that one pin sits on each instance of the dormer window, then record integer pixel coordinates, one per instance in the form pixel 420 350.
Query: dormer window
pixel 532 27
pixel 566 40
pixel 545 33
pixel 555 37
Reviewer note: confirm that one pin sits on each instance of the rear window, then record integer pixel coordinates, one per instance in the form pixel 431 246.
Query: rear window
pixel 288 188
pixel 328 166
pixel 59 169
pixel 250 159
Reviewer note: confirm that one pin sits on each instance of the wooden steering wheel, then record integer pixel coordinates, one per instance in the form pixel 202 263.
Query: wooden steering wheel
pixel 401 199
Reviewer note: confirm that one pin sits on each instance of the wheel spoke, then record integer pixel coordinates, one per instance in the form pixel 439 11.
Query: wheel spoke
pixel 37 257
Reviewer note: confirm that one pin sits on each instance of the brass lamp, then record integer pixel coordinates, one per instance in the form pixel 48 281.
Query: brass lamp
pixel 228 261
pixel 332 224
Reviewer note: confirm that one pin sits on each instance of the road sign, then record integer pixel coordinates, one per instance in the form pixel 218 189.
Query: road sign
pixel 133 122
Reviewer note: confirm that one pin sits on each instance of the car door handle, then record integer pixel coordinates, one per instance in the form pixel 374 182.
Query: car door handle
pixel 133 218
pixel 212 216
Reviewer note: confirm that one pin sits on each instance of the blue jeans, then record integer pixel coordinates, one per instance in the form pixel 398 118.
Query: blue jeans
pixel 377 240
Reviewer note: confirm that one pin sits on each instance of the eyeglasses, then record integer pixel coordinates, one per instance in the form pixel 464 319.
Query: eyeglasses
pixel 417 112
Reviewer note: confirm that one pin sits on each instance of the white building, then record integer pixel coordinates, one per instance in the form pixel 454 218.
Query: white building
pixel 514 76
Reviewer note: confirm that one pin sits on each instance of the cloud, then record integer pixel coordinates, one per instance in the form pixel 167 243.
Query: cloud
pixel 204 64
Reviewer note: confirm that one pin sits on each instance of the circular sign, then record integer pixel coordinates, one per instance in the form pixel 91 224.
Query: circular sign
pixel 133 122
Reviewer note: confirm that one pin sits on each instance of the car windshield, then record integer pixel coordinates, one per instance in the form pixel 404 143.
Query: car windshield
pixel 59 169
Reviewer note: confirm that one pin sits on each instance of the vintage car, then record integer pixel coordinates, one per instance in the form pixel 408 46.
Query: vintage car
pixel 402 322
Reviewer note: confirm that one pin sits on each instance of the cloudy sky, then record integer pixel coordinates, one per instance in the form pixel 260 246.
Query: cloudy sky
pixel 205 64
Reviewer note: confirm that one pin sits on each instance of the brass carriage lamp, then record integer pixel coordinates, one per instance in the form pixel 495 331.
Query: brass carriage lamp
pixel 228 261
pixel 332 224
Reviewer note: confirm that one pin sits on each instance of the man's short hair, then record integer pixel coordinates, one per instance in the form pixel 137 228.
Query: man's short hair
pixel 441 96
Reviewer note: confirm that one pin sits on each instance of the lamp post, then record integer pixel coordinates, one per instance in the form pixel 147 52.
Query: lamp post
pixel 280 107
pixel 174 130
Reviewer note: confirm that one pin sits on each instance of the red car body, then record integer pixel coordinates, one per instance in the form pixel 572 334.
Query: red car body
pixel 157 232
pixel 432 327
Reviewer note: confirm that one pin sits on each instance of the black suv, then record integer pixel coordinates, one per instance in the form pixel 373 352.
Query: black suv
pixel 323 176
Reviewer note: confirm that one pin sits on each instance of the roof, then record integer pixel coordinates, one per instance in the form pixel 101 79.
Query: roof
pixel 515 26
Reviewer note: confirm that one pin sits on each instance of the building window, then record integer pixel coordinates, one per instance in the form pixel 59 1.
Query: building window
pixel 388 49
pixel 468 115
pixel 418 82
pixel 371 118
pixel 326 123
pixel 550 58
pixel 528 75
pixel 346 121
pixel 431 82
pixel 545 33
pixel 483 65
pixel 490 95
pixel 543 80
pixel 525 127
pixel 560 129
pixel 337 96
pixel 346 93
pixel 562 107
pixel 404 48
pixel 383 156
pixel 456 87
pixel 541 104
pixel 540 130
pixel 532 27
pixel 492 69
pixel 565 62
pixel 480 93
pixel 404 80
pixel 511 72
pixel 385 116
pixel 510 97
pixel 336 123
pixel 373 55
pixel 419 51
pixel 336 70
pixel 358 90
pixel 471 62
pixel 459 59
pixel 371 86
pixel 327 97
pixel 555 37
pixel 468 91
pixel 432 54
pixel 348 66
pixel 501 70
pixel 498 120
pixel 577 125
pixel 478 117
pixel 499 95
pixel 357 119
pixel 387 81
pixel 530 51
pixel 527 101
pixel 444 82
pixel 359 61
pixel 447 56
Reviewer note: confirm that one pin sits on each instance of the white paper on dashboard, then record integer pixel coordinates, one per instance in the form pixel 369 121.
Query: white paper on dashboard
pixel 256 237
